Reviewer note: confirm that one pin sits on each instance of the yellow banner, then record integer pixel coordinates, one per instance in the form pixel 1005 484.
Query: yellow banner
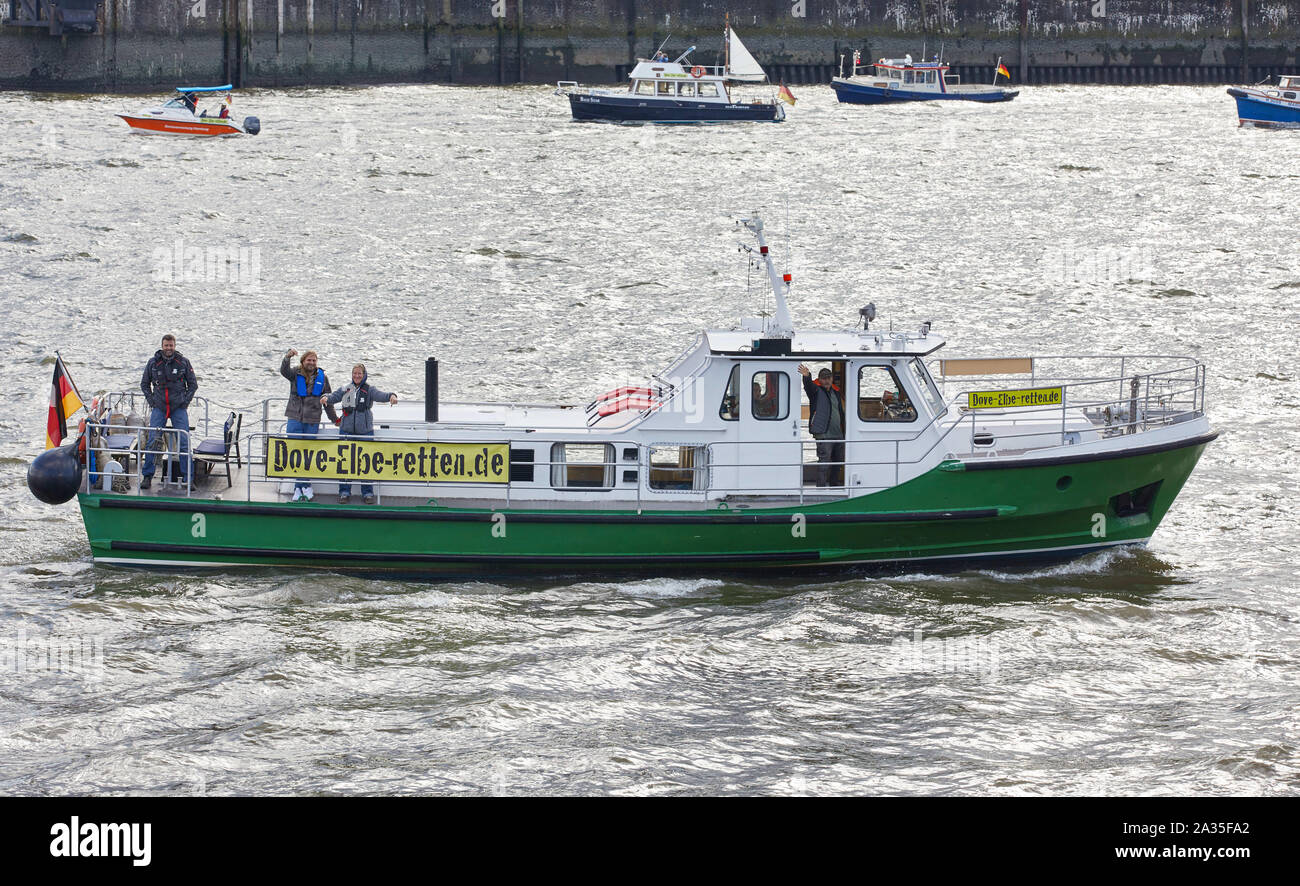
pixel 1015 399
pixel 415 462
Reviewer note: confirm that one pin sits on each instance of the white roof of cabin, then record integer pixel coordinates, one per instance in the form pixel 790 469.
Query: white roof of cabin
pixel 647 70
pixel 849 342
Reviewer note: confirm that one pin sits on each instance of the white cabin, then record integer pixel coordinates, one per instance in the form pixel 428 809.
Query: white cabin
pixel 673 80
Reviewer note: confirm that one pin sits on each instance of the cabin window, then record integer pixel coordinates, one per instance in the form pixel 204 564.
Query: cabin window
pixel 521 465
pixel 645 87
pixel 582 466
pixel 678 467
pixel 926 385
pixel 1289 94
pixel 665 87
pixel 770 396
pixel 686 89
pixel 708 90
pixel 881 397
pixel 907 76
pixel 730 408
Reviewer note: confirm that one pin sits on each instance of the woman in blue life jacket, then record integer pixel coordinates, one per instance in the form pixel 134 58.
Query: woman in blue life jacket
pixel 307 384
pixel 356 399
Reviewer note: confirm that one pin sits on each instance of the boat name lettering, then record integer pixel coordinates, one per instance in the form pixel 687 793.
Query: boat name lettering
pixel 1014 399
pixel 415 462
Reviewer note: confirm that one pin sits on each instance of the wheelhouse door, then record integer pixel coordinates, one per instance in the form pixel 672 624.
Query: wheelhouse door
pixel 769 451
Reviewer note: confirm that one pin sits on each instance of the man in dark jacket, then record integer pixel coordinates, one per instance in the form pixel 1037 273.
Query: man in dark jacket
pixel 169 384
pixel 825 422
pixel 307 383
pixel 357 398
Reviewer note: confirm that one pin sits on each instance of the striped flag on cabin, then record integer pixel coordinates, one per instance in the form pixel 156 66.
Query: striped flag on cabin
pixel 64 400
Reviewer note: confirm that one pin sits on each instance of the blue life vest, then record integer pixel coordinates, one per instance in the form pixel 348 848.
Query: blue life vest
pixel 317 386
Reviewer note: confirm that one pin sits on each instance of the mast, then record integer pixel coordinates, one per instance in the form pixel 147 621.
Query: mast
pixel 782 326
pixel 726 44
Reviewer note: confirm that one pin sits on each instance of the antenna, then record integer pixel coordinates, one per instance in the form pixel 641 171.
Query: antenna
pixel 782 326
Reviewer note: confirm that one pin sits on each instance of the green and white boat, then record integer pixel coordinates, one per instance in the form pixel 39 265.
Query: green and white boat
pixel 707 467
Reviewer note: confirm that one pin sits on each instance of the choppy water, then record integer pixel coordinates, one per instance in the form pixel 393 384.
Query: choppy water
pixel 540 259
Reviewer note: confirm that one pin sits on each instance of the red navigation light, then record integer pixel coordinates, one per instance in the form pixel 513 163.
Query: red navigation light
pixel 786 278
pixel 762 250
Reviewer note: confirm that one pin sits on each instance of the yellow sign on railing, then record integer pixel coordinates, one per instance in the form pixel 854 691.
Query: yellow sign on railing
pixel 1015 399
pixel 416 462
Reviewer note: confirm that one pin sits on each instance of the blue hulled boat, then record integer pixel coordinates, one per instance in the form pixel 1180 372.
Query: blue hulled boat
pixel 677 91
pixel 890 81
pixel 1269 106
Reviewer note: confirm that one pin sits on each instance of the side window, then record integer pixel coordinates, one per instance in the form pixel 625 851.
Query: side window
pixel 907 77
pixel 770 396
pixel 709 90
pixel 730 408
pixel 678 467
pixel 582 466
pixel 881 397
pixel 665 87
pixel 645 87
pixel 687 90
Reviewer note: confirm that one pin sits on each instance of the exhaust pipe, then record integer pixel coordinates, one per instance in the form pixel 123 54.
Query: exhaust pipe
pixel 431 390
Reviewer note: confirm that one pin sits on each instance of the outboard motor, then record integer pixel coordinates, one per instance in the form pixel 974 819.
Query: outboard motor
pixel 54 476
pixel 252 125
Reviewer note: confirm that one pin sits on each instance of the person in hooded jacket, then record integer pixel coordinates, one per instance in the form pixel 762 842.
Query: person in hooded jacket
pixel 825 422
pixel 356 400
pixel 307 382
pixel 168 384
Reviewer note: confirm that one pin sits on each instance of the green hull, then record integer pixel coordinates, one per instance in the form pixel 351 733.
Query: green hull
pixel 955 512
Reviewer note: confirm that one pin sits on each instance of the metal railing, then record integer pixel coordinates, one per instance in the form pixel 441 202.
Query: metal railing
pixel 1094 406
pixel 100 450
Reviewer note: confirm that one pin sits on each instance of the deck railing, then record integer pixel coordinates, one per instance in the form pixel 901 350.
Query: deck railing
pixel 1093 404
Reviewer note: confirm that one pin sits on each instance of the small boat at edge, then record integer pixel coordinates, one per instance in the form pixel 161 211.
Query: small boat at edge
pixel 180 115
pixel 1269 105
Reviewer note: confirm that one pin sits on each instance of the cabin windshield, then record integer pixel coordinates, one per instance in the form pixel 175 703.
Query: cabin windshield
pixel 925 384
pixel 882 397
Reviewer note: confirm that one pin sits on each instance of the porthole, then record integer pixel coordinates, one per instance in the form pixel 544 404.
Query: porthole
pixel 1064 482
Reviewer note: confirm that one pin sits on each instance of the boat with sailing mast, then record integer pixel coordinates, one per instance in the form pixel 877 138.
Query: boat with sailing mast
pixel 679 91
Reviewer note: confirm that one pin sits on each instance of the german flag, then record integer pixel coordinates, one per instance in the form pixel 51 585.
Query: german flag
pixel 786 95
pixel 1002 69
pixel 64 401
